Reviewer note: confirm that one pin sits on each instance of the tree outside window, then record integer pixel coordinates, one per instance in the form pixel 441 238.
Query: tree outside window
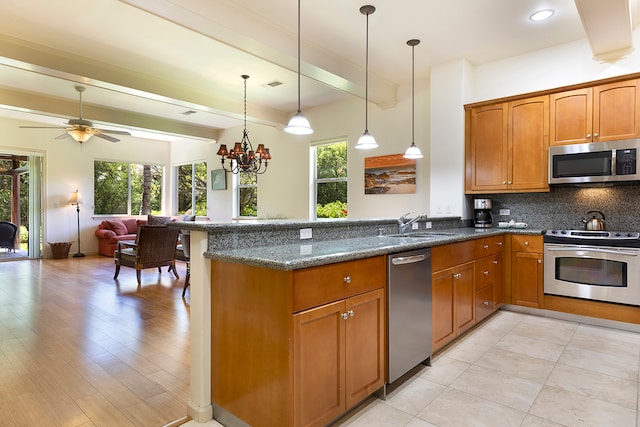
pixel 192 188
pixel 331 180
pixel 127 188
pixel 247 194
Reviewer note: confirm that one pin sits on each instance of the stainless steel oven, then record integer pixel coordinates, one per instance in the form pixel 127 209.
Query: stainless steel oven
pixel 595 265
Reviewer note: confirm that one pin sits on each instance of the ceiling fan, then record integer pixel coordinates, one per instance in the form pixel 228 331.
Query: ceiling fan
pixel 80 129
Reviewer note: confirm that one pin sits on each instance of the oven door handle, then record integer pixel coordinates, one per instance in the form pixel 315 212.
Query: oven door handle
pixel 600 250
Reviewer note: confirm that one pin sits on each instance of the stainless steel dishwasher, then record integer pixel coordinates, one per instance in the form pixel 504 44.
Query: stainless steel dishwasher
pixel 408 311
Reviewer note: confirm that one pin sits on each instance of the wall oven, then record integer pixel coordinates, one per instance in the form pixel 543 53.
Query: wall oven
pixel 595 265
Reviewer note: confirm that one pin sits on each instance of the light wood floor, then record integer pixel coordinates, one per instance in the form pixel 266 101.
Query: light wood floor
pixel 78 348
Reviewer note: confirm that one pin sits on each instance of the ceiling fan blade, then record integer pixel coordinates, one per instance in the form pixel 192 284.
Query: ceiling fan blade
pixel 43 127
pixel 107 137
pixel 118 132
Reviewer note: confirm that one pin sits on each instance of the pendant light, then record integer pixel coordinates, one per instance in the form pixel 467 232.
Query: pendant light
pixel 366 141
pixel 413 152
pixel 299 125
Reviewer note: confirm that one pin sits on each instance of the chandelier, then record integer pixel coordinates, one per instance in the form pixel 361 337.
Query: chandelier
pixel 242 158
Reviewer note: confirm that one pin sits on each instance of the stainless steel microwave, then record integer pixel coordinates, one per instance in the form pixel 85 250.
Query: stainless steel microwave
pixel 594 162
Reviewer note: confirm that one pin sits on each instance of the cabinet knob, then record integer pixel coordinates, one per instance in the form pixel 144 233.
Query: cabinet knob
pixel 486 303
pixel 345 316
pixel 588 135
pixel 595 135
pixel 526 243
pixel 539 261
pixel 509 182
pixel 351 313
pixel 486 272
pixel 457 275
pixel 347 279
pixel 504 182
pixel 499 243
pixel 485 247
pixel 495 261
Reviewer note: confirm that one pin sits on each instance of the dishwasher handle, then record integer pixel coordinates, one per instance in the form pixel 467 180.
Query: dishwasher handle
pixel 408 259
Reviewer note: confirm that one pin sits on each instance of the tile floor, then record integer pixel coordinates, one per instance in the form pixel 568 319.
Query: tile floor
pixel 518 370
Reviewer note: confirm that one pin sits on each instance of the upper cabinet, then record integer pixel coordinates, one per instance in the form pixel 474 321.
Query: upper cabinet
pixel 506 149
pixel 601 113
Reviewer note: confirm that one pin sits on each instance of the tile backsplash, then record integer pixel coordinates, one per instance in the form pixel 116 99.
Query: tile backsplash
pixel 565 207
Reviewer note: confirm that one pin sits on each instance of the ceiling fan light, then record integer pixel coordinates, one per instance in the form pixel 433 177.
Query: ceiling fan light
pixel 413 152
pixel 366 141
pixel 299 125
pixel 80 135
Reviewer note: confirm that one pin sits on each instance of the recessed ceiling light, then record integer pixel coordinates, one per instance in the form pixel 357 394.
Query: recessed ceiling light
pixel 541 15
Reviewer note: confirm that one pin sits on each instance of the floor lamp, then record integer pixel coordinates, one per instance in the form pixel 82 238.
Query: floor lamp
pixel 75 200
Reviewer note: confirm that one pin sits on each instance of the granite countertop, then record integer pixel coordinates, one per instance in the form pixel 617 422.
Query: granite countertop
pixel 313 253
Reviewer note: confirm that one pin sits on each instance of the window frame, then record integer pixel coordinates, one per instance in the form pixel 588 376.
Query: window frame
pixel 194 199
pixel 237 188
pixel 313 199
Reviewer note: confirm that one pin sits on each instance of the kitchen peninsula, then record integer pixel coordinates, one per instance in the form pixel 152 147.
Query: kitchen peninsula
pixel 253 274
pixel 256 286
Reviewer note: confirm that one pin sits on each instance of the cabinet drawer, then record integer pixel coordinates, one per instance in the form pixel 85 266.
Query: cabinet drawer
pixel 489 246
pixel 484 303
pixel 526 243
pixel 446 256
pixel 485 272
pixel 315 286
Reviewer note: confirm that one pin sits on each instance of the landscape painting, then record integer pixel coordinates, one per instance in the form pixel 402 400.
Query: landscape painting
pixel 391 174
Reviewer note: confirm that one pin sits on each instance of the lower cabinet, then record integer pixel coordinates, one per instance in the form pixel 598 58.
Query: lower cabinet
pixel 453 303
pixel 338 357
pixel 489 273
pixel 296 348
pixel 527 271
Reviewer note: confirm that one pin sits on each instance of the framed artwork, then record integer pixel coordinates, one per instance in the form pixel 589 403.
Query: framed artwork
pixel 392 174
pixel 219 179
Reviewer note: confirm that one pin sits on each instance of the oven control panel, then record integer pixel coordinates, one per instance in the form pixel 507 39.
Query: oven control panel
pixel 593 237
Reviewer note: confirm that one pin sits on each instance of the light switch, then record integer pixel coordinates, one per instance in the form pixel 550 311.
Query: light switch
pixel 505 212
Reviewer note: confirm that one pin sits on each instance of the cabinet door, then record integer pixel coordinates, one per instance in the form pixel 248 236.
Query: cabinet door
pixel 443 328
pixel 528 144
pixel 488 148
pixel 498 282
pixel 464 297
pixel 365 345
pixel 571 116
pixel 526 282
pixel 616 111
pixel 319 364
pixel 484 303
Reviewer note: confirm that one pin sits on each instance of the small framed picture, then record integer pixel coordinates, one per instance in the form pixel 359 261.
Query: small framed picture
pixel 219 179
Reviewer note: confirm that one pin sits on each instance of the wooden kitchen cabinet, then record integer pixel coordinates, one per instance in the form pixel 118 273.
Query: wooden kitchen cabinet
pixel 488 275
pixel 527 270
pixel 507 144
pixel 297 347
pixel 601 113
pixel 453 293
pixel 338 357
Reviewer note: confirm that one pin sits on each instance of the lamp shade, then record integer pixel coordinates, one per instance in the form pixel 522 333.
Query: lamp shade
pixel 75 198
pixel 80 135
pixel 413 152
pixel 299 125
pixel 366 141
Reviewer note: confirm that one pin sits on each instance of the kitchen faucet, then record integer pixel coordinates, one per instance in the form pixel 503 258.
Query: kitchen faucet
pixel 404 222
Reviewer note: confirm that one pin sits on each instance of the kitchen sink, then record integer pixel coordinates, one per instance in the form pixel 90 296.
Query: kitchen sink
pixel 422 234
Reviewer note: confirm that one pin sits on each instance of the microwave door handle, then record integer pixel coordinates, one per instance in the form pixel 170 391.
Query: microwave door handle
pixel 614 163
pixel 600 250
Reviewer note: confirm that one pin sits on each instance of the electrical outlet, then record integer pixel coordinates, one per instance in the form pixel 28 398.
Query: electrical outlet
pixel 306 233
pixel 505 212
pixel 415 226
pixel 428 225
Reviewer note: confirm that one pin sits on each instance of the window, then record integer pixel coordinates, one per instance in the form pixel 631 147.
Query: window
pixel 331 179
pixel 126 188
pixel 247 194
pixel 192 188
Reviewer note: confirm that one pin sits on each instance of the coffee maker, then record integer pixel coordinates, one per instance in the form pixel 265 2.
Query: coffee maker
pixel 482 213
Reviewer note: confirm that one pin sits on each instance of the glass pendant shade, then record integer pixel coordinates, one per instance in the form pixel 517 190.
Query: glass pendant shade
pixel 80 135
pixel 413 152
pixel 299 125
pixel 366 141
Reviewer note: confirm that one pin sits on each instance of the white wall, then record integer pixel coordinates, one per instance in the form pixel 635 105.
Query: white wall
pixel 69 166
